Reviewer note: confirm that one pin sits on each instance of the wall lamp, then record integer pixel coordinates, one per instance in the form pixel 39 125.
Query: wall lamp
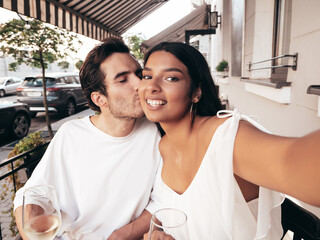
pixel 214 19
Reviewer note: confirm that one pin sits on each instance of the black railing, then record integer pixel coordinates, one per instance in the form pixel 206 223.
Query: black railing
pixel 293 66
pixel 30 160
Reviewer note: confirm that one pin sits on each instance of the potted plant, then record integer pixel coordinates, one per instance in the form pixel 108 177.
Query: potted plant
pixel 223 67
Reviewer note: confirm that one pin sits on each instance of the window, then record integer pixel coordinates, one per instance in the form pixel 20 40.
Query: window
pixel 236 37
pixel 281 40
pixel 70 80
pixel 10 81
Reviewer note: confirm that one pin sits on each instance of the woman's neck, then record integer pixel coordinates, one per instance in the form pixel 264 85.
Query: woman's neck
pixel 179 132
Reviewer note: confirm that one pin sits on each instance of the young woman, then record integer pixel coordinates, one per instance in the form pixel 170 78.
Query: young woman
pixel 213 163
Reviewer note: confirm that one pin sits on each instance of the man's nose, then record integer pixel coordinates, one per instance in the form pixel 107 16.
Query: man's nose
pixel 136 82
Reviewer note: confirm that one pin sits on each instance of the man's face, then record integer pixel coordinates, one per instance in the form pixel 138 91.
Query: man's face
pixel 122 82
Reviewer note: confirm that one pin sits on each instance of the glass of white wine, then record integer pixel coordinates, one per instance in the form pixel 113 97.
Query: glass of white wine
pixel 168 223
pixel 40 213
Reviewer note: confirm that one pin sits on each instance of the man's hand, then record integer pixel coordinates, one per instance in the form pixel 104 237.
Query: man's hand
pixel 123 233
pixel 158 235
pixel 133 230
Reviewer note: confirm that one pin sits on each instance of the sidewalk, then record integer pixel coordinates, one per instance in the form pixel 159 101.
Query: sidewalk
pixel 4 151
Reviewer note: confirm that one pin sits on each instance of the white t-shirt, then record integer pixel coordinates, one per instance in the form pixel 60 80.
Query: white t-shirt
pixel 213 202
pixel 102 182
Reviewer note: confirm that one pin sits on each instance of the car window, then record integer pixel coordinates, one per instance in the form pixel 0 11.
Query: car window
pixel 77 79
pixel 10 81
pixel 37 82
pixel 70 80
pixel 60 80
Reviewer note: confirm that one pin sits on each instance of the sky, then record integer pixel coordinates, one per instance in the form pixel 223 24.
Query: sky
pixel 160 19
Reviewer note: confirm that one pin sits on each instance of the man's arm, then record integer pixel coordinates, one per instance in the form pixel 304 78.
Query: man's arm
pixel 133 230
pixel 18 217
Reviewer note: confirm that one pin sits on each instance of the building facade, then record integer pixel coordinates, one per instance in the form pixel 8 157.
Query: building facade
pixel 283 92
pixel 272 48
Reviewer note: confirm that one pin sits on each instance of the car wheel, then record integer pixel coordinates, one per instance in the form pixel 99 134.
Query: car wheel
pixel 20 125
pixel 2 93
pixel 33 114
pixel 71 108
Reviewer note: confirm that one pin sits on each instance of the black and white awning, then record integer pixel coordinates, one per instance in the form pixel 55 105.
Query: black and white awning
pixel 96 19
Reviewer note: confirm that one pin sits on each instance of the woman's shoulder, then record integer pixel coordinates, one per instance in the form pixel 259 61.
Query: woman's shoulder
pixel 208 125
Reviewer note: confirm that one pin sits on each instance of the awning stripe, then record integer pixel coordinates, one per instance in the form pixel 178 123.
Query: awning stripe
pixel 14 5
pixel 93 18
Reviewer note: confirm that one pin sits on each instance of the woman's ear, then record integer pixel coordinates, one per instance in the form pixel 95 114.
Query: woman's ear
pixel 196 95
pixel 99 99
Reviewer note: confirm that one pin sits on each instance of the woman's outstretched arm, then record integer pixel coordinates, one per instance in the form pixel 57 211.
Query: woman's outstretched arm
pixel 287 165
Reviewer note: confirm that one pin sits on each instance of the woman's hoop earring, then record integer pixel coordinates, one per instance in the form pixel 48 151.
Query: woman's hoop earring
pixel 191 108
pixel 193 111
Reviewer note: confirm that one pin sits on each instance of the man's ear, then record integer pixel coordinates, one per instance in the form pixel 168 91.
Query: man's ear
pixel 196 95
pixel 99 99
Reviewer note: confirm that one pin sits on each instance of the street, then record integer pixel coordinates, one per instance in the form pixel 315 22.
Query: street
pixel 37 122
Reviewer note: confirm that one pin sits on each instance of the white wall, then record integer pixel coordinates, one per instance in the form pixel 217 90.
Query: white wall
pixel 299 117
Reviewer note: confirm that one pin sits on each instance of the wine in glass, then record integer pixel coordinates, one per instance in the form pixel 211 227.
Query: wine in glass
pixel 40 213
pixel 168 223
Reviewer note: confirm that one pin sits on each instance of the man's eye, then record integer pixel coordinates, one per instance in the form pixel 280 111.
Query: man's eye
pixel 123 81
pixel 172 79
pixel 146 77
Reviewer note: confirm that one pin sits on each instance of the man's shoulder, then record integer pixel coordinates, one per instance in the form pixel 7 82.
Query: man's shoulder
pixel 73 124
pixel 144 123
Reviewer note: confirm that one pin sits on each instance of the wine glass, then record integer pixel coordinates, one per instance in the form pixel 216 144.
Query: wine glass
pixel 168 223
pixel 40 213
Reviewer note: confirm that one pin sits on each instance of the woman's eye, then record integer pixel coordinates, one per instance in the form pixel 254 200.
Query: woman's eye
pixel 146 77
pixel 172 79
pixel 123 81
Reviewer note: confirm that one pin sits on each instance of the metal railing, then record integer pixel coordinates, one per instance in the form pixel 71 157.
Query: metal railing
pixel 293 66
pixel 30 160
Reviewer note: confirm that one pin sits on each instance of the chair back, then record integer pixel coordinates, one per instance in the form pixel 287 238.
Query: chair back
pixel 304 224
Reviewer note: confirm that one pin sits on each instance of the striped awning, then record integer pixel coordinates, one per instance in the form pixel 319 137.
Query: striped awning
pixel 197 19
pixel 96 19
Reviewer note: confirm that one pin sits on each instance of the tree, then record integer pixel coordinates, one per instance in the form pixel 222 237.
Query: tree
pixel 79 64
pixel 134 43
pixel 63 64
pixel 36 44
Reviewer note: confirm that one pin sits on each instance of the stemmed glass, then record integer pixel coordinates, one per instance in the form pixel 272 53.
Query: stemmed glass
pixel 40 212
pixel 168 223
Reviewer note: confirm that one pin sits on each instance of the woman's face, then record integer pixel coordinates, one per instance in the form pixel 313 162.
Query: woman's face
pixel 164 89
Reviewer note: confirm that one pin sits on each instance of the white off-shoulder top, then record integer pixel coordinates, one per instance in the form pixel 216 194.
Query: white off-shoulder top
pixel 214 204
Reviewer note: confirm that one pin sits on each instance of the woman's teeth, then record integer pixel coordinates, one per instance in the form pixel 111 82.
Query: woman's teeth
pixel 155 103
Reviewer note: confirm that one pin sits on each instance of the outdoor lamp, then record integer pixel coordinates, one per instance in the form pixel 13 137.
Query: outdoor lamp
pixel 213 19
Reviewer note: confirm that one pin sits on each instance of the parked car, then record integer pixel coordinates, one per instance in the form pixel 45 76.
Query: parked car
pixel 64 93
pixel 15 119
pixel 9 85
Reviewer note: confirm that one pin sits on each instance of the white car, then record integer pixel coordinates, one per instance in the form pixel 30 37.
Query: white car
pixel 9 85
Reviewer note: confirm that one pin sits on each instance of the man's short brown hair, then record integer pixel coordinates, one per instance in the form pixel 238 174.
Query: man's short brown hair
pixel 91 77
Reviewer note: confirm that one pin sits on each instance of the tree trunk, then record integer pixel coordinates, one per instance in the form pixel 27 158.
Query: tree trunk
pixel 45 98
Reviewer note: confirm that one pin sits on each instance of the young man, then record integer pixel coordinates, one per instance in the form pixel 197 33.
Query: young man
pixel 103 166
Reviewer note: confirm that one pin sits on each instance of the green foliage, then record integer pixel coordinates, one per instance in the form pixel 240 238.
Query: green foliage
pixel 29 142
pixel 222 66
pixel 63 64
pixel 134 43
pixel 36 45
pixel 79 64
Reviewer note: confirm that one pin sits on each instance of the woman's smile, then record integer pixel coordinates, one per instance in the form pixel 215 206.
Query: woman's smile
pixel 155 103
